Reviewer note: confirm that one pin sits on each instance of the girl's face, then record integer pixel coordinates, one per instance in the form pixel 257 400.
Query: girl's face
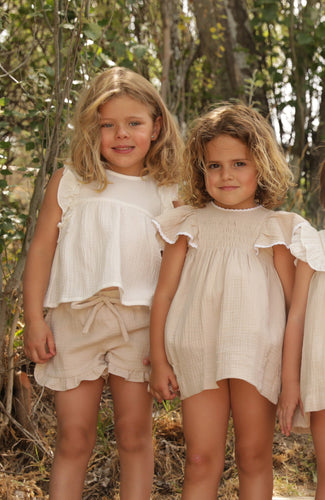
pixel 231 174
pixel 127 130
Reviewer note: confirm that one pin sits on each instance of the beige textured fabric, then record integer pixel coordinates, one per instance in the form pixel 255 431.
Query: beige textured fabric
pixel 93 338
pixel 309 246
pixel 227 318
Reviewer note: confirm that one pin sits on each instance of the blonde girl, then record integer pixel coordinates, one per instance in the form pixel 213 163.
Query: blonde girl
pixel 94 263
pixel 302 400
pixel 219 310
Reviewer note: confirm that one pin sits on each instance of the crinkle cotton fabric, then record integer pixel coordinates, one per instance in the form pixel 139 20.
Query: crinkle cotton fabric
pixel 227 318
pixel 94 338
pixel 106 239
pixel 308 245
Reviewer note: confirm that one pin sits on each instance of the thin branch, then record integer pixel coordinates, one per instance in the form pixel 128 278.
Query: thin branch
pixel 35 438
pixel 10 350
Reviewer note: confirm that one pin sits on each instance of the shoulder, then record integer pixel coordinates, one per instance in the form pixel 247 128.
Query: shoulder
pixel 178 221
pixel 168 195
pixel 287 221
pixel 50 212
pixel 178 214
pixel 282 215
pixel 69 184
pixel 56 177
pixel 278 228
pixel 53 187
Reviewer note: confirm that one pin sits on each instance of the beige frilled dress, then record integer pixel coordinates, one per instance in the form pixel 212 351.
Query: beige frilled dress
pixel 308 245
pixel 227 318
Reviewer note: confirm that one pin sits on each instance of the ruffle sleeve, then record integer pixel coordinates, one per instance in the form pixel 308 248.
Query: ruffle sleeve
pixel 168 194
pixel 69 188
pixel 278 229
pixel 176 222
pixel 308 245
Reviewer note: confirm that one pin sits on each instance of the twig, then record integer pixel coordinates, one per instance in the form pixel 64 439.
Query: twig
pixel 32 437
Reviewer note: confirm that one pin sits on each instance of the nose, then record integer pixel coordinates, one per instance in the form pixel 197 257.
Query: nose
pixel 121 131
pixel 226 172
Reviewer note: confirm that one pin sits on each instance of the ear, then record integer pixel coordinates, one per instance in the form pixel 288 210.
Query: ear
pixel 156 128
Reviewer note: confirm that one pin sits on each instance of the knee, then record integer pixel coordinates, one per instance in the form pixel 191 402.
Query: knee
pixel 252 459
pixel 133 436
pixel 202 464
pixel 74 441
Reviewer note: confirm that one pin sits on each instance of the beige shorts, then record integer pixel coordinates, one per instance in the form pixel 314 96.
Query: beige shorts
pixel 93 338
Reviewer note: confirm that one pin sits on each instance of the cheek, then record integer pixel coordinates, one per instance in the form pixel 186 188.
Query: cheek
pixel 208 182
pixel 102 139
pixel 253 183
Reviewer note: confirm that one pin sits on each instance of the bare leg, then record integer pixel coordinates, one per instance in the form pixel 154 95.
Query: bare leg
pixel 133 429
pixel 317 425
pixel 205 420
pixel 254 420
pixel 77 411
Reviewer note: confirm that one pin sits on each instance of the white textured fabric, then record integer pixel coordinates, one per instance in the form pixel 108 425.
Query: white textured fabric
pixel 107 239
pixel 309 246
pixel 227 318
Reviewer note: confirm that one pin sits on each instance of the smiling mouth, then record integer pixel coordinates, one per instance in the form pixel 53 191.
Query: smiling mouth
pixel 228 188
pixel 123 149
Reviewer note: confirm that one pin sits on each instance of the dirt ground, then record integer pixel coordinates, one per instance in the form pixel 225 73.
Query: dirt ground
pixel 26 459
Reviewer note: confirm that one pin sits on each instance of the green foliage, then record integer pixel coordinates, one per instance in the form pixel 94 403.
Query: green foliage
pixel 42 41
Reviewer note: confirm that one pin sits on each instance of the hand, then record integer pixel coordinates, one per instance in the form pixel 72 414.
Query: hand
pixel 288 402
pixel 163 383
pixel 39 343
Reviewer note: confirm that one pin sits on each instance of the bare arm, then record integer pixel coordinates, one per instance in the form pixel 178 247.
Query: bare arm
pixel 38 339
pixel 292 349
pixel 285 267
pixel 162 376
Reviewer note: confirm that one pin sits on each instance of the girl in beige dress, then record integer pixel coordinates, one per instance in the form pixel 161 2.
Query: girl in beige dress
pixel 219 310
pixel 302 400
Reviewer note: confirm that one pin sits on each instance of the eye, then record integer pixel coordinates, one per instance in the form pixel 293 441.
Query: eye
pixel 106 125
pixel 135 123
pixel 213 166
pixel 240 164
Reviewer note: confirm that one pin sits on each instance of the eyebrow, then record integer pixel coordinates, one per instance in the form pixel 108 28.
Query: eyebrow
pixel 232 159
pixel 133 117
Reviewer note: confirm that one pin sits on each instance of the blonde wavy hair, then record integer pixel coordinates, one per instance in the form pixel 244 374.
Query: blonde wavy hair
pixel 166 152
pixel 242 122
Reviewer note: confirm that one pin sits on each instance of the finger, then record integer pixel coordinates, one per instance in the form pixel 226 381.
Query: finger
pixel 174 384
pixel 146 361
pixel 155 394
pixel 51 350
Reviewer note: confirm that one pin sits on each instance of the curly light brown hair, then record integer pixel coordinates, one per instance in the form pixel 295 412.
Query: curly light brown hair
pixel 241 122
pixel 166 152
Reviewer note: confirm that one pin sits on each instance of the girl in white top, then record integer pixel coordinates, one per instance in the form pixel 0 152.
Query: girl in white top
pixel 219 310
pixel 302 400
pixel 94 262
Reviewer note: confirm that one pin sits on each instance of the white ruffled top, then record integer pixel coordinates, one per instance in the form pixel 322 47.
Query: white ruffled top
pixel 106 239
pixel 308 245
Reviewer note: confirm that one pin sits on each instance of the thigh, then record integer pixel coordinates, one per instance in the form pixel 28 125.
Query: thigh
pixel 132 404
pixel 79 407
pixel 126 359
pixel 205 420
pixel 253 417
pixel 317 425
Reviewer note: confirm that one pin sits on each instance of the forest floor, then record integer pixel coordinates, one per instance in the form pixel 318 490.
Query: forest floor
pixel 26 459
